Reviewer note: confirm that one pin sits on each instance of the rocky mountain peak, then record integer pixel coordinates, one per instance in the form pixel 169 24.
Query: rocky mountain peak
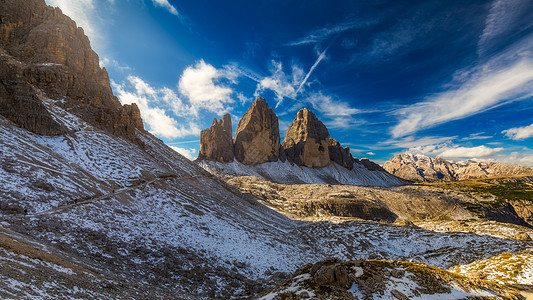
pixel 257 137
pixel 43 54
pixel 340 155
pixel 306 141
pixel 257 141
pixel 420 167
pixel 216 142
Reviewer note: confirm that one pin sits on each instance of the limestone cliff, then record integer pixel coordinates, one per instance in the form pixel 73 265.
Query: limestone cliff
pixel 340 155
pixel 44 54
pixel 257 138
pixel 306 141
pixel 216 143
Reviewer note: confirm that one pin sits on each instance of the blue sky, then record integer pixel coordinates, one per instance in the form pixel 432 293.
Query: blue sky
pixel 443 78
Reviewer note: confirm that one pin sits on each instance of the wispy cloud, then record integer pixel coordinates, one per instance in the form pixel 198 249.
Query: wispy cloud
pixel 483 90
pixel 148 99
pixel 519 133
pixel 166 5
pixel 402 35
pixel 322 34
pixel 329 106
pixel 111 63
pixel 429 142
pixel 200 84
pixel 500 20
pixel 321 57
pixel 477 136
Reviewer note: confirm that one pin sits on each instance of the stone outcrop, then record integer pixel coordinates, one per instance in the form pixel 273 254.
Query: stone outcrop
pixel 257 141
pixel 340 155
pixel 419 167
pixel 370 165
pixel 216 143
pixel 306 141
pixel 257 135
pixel 44 54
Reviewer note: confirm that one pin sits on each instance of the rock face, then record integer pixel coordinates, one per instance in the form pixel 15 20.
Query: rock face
pixel 419 167
pixel 257 141
pixel 216 143
pixel 370 165
pixel 43 54
pixel 257 135
pixel 306 141
pixel 340 155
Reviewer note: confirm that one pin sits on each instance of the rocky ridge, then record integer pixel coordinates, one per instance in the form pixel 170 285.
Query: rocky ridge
pixel 43 54
pixel 418 167
pixel 307 142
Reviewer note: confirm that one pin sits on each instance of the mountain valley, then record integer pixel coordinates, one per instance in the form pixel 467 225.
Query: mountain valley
pixel 93 206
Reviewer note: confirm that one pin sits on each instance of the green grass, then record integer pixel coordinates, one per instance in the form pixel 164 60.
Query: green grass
pixel 501 188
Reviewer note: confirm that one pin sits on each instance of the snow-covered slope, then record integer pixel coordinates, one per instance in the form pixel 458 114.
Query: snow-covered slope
pixel 288 173
pixel 146 214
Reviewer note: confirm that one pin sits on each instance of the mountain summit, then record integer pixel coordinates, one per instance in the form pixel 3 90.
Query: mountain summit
pixel 418 167
pixel 44 54
pixel 308 154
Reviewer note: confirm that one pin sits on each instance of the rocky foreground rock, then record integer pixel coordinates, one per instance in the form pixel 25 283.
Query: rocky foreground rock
pixel 44 54
pixel 419 167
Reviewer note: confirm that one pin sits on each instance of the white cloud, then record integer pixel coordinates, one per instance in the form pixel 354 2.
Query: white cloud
pixel 166 5
pixel 518 158
pixel 188 153
pixel 519 133
pixel 483 90
pixel 279 82
pixel 199 84
pixel 149 100
pixel 468 152
pixel 371 153
pixel 445 148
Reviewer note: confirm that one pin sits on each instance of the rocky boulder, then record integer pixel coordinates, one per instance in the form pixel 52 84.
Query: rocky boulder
pixel 257 138
pixel 306 141
pixel 45 55
pixel 340 155
pixel 216 143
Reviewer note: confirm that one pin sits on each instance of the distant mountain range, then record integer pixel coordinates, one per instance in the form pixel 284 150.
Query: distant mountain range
pixel 418 167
